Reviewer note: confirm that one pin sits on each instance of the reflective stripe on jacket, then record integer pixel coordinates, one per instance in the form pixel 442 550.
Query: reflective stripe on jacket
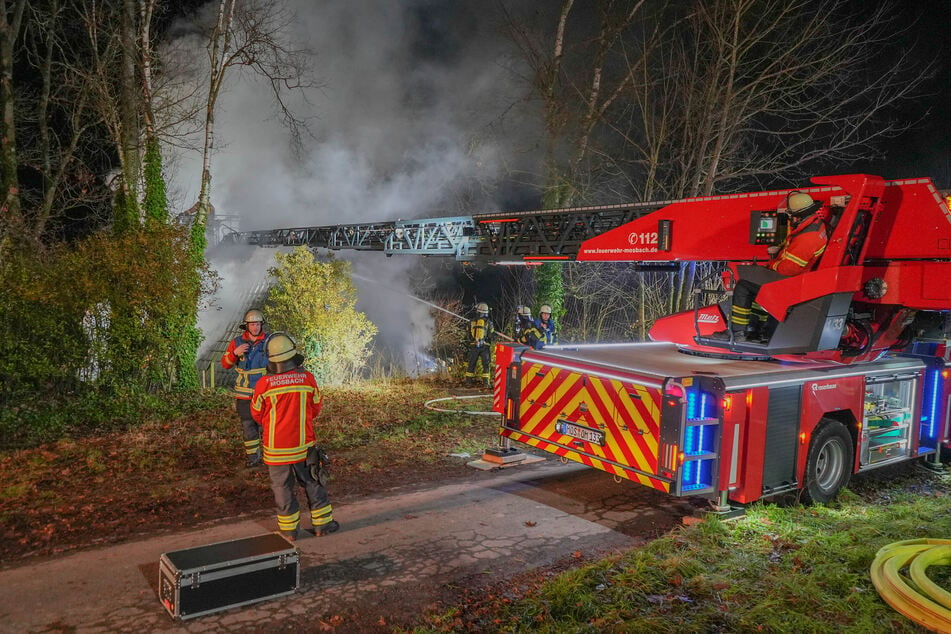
pixel 548 330
pixel 250 367
pixel 528 334
pixel 802 249
pixel 285 406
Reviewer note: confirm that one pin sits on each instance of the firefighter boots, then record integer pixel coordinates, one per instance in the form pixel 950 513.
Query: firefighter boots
pixel 330 527
pixel 290 536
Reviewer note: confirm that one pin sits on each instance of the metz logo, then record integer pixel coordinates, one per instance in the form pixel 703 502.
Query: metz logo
pixel 706 318
pixel 818 388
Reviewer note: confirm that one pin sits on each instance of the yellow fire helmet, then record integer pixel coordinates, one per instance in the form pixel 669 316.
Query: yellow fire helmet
pixel 545 309
pixel 280 347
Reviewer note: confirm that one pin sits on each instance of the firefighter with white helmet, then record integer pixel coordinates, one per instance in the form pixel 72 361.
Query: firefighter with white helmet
pixel 526 332
pixel 545 323
pixel 480 335
pixel 285 403
pixel 800 252
pixel 246 354
pixel 517 325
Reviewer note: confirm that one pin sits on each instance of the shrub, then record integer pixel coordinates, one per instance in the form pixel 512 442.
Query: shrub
pixel 315 302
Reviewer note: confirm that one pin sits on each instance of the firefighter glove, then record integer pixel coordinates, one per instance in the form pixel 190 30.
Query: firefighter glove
pixel 317 461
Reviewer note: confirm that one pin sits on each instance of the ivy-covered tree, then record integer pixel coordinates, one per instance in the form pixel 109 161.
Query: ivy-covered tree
pixel 315 302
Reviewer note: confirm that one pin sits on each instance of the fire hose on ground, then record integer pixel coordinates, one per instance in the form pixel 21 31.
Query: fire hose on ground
pixel 429 405
pixel 913 593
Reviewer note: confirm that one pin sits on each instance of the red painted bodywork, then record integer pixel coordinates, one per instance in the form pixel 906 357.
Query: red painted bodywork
pixel 753 453
pixel 895 232
pixel 843 395
pixel 889 250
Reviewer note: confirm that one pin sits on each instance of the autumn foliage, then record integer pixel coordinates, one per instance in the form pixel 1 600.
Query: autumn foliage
pixel 94 315
pixel 315 301
pixel 181 471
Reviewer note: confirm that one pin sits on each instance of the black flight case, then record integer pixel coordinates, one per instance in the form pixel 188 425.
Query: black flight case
pixel 216 577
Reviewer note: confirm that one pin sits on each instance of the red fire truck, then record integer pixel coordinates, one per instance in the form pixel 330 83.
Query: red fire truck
pixel 854 375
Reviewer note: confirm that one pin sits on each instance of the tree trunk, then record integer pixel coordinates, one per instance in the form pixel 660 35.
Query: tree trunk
pixel 218 50
pixel 11 18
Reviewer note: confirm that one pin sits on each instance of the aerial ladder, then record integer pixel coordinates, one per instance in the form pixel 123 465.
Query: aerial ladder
pixel 522 237
pixel 888 258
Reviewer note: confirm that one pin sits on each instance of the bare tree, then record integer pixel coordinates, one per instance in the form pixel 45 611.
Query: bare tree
pixel 579 71
pixel 714 94
pixel 53 128
pixel 11 21
pixel 251 35
pixel 755 91
pixel 577 75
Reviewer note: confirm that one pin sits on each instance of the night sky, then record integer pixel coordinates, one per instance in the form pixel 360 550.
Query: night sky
pixel 926 149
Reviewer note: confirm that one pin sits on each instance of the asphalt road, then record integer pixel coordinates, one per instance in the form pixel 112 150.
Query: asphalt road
pixel 397 551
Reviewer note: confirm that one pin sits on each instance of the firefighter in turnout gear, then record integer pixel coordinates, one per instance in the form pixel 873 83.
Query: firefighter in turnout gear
pixel 285 403
pixel 800 252
pixel 517 327
pixel 526 332
pixel 545 323
pixel 246 354
pixel 480 335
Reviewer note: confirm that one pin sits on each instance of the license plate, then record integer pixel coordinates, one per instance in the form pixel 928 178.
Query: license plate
pixel 587 434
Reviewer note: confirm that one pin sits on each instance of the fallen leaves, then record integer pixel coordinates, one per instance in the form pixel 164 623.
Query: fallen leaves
pixel 178 473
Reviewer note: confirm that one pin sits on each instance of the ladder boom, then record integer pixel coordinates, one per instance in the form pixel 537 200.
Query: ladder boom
pixel 522 236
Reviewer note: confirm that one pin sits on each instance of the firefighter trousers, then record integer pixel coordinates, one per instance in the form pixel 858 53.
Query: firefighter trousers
pixel 477 353
pixel 284 478
pixel 249 428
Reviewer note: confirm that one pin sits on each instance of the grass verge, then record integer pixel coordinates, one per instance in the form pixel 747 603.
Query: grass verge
pixel 778 569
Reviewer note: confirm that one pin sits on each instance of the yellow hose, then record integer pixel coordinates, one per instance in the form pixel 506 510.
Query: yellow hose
pixel 914 594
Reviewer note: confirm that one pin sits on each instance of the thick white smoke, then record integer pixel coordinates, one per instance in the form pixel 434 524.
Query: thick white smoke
pixel 413 118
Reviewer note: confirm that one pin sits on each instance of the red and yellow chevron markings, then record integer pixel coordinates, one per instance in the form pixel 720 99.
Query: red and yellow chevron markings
pixel 628 414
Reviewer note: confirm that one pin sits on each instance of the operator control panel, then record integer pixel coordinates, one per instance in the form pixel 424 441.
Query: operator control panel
pixel 768 227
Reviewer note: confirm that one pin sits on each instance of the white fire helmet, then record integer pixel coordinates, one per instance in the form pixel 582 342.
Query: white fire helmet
pixel 253 315
pixel 800 204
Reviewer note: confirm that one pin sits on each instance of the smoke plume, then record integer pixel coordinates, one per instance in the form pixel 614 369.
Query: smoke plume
pixel 414 117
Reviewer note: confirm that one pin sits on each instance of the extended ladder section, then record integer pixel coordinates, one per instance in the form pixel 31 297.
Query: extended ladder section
pixel 500 237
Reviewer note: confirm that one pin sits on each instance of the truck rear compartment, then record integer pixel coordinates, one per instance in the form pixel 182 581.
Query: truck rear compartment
pixel 714 427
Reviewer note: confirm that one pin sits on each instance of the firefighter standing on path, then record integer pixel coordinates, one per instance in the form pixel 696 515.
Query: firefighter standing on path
pixel 805 243
pixel 285 402
pixel 480 335
pixel 247 356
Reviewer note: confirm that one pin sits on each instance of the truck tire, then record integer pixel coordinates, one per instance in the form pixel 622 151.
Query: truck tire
pixel 829 464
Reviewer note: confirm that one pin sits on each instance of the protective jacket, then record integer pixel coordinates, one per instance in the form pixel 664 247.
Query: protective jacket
pixel 285 406
pixel 527 334
pixel 548 330
pixel 251 367
pixel 802 248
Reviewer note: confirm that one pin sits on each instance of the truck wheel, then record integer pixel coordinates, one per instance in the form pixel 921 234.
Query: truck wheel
pixel 829 465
